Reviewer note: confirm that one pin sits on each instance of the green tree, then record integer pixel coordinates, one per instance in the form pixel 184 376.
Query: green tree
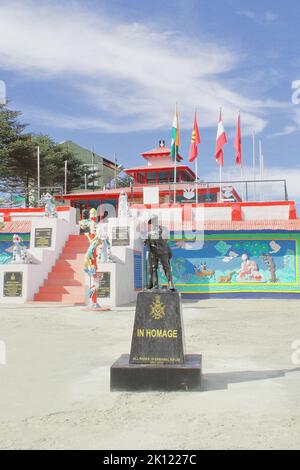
pixel 21 167
pixel 10 128
pixel 52 164
pixel 124 181
pixel 18 158
pixel 17 168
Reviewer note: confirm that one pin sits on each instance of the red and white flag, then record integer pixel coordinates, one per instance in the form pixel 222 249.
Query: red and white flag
pixel 195 141
pixel 238 143
pixel 220 141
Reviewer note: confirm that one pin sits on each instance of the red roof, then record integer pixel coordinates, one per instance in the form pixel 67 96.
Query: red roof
pixel 161 168
pixel 159 152
pixel 19 226
pixel 226 225
pixel 229 226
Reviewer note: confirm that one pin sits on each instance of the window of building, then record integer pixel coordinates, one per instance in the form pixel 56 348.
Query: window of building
pixel 151 177
pixel 163 177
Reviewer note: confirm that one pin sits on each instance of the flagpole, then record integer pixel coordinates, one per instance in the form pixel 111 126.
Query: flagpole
pixel 261 168
pixel 262 162
pixel 220 176
pixel 66 171
pixel 175 159
pixel 253 164
pixel 220 168
pixel 175 175
pixel 262 171
pixel 241 164
pixel 196 163
pixel 259 162
pixel 93 166
pixel 221 159
pixel 196 171
pixel 38 175
pixel 242 179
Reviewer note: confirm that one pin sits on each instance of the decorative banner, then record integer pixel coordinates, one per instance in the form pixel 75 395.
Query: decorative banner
pixel 103 290
pixel 13 284
pixel 43 238
pixel 120 236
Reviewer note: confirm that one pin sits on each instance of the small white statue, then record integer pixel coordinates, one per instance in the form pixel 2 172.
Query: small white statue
pixel 123 208
pixel 93 222
pixel 50 208
pixel 19 251
pixel 104 255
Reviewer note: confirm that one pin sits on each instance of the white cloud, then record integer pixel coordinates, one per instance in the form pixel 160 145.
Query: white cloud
pixel 129 74
pixel 263 18
pixel 287 130
pixel 296 117
pixel 291 128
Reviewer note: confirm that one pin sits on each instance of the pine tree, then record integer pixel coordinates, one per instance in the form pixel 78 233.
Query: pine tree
pixel 17 168
pixel 10 128
pixel 18 158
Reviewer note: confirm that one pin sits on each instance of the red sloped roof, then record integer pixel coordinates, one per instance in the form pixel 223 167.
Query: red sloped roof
pixel 161 168
pixel 251 225
pixel 159 152
pixel 18 226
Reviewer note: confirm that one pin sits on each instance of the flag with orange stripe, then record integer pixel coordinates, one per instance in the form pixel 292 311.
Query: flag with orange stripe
pixel 195 141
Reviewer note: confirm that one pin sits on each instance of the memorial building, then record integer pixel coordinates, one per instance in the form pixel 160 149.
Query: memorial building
pixel 158 171
pixel 228 240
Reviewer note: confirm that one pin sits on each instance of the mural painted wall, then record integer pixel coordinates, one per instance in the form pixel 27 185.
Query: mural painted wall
pixel 236 262
pixel 6 245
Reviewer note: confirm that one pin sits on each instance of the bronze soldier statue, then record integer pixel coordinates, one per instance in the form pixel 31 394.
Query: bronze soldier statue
pixel 158 251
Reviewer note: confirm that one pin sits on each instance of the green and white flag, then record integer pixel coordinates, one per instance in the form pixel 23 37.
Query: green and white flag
pixel 175 136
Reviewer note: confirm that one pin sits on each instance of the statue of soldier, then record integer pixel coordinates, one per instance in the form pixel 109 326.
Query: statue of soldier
pixel 158 251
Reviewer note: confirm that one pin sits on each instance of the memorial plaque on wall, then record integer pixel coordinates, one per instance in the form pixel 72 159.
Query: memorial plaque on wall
pixel 104 285
pixel 43 238
pixel 13 284
pixel 120 236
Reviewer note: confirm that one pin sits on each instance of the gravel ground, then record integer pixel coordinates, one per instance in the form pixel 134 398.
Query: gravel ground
pixel 54 388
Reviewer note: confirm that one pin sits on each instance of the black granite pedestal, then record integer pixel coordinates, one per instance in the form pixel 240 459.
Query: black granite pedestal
pixel 157 360
pixel 157 333
pixel 142 377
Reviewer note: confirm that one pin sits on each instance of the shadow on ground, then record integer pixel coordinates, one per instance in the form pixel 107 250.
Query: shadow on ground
pixel 221 381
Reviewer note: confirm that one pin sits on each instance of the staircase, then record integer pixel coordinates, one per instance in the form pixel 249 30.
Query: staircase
pixel 65 283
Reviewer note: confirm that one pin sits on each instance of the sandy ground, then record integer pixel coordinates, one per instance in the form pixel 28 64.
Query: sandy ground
pixel 54 389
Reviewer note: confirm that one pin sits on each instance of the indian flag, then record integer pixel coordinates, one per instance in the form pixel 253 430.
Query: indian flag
pixel 175 136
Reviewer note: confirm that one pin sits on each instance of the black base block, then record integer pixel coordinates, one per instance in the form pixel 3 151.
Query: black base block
pixel 157 332
pixel 141 377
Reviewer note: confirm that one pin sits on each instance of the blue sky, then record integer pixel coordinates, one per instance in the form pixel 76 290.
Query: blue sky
pixel 107 74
